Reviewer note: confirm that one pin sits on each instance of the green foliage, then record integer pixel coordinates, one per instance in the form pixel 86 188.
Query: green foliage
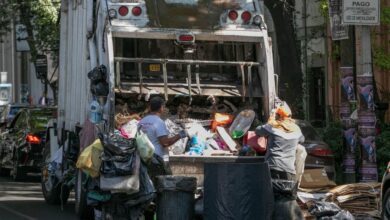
pixel 333 136
pixel 41 20
pixel 5 18
pixel 385 15
pixel 382 144
pixel 381 58
pixel 324 8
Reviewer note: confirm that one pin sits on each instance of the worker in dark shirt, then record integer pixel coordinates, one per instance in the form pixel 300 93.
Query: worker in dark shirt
pixel 283 138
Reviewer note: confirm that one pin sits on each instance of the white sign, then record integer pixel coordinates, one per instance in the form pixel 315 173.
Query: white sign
pixel 361 12
pixel 21 38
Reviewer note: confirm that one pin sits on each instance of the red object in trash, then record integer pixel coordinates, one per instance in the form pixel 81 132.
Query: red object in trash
pixel 221 120
pixel 259 144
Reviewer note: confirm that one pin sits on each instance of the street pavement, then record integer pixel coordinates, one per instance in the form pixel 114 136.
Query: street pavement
pixel 24 201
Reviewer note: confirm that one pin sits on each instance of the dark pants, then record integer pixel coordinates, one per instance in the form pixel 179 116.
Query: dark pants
pixel 284 186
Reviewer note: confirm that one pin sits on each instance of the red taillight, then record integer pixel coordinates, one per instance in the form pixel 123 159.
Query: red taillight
pixel 123 11
pixel 246 16
pixel 320 152
pixel 136 11
pixel 233 15
pixel 186 38
pixel 32 139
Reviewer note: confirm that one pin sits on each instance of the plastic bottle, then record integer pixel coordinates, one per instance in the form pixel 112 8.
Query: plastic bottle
pixel 95 112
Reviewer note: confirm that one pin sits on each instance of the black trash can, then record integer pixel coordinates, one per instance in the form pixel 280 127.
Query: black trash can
pixel 237 191
pixel 175 197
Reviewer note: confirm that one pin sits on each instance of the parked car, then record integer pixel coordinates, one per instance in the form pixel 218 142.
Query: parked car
pixel 385 194
pixel 21 145
pixel 319 155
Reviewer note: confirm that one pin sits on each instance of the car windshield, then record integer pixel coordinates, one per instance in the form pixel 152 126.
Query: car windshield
pixel 40 117
pixel 14 110
pixel 308 131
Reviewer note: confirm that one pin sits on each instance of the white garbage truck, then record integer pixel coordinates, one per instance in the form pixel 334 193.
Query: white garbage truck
pixel 191 50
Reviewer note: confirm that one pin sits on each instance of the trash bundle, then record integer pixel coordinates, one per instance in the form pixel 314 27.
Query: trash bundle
pixel 89 160
pixel 120 164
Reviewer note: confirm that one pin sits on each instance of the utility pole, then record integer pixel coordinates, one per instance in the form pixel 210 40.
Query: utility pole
pixel 366 113
pixel 347 107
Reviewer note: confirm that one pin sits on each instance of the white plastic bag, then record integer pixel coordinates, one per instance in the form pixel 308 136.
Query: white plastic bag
pixel 144 146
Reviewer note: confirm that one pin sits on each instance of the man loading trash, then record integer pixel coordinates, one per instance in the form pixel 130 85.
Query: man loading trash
pixel 158 134
pixel 283 138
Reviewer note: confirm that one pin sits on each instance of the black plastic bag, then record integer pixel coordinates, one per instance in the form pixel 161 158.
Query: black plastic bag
pixel 100 88
pixel 98 73
pixel 118 157
pixel 115 165
pixel 116 145
pixel 322 209
pixel 285 188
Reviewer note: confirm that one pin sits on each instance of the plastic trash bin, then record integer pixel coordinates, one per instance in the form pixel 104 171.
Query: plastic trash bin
pixel 175 197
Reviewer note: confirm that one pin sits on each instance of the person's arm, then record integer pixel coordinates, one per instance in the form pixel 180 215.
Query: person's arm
pixel 166 141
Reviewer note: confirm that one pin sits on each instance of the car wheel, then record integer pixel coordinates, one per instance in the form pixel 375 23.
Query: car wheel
pixel 84 211
pixel 386 205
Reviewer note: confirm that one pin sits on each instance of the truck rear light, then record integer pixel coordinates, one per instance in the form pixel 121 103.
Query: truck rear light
pixel 33 139
pixel 123 11
pixel 246 16
pixel 136 11
pixel 233 15
pixel 186 38
pixel 320 152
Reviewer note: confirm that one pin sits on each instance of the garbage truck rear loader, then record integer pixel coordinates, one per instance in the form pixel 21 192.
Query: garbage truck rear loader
pixel 188 50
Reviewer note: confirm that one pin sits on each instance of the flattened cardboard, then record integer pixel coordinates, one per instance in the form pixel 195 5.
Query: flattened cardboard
pixel 316 178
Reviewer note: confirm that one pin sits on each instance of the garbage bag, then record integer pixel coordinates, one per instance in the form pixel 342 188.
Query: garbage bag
pixel 124 206
pixel 342 215
pixel 123 184
pixel 98 73
pixel 100 88
pixel 180 146
pixel 321 209
pixel 117 165
pixel 284 188
pixel 115 144
pixel 89 160
pixel 144 146
pixel 176 183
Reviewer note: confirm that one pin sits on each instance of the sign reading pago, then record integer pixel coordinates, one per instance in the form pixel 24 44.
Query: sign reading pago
pixel 361 12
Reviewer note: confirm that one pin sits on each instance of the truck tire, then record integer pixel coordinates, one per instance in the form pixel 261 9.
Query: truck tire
pixel 386 205
pixel 84 211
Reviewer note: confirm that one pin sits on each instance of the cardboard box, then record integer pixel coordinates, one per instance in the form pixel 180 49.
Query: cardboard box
pixel 316 178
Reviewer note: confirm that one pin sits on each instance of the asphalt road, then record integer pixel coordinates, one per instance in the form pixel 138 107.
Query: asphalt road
pixel 24 201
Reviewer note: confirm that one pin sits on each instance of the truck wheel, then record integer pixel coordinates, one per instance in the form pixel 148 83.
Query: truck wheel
pixel 52 191
pixel 84 211
pixel 386 206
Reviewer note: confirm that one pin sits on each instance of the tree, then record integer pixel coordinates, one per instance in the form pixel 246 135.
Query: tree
pixel 41 18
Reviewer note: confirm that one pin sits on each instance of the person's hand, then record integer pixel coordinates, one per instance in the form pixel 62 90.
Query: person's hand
pixel 183 134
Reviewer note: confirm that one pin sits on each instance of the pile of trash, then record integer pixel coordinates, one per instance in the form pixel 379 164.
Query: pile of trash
pixel 118 182
pixel 212 133
pixel 361 199
pixel 318 197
